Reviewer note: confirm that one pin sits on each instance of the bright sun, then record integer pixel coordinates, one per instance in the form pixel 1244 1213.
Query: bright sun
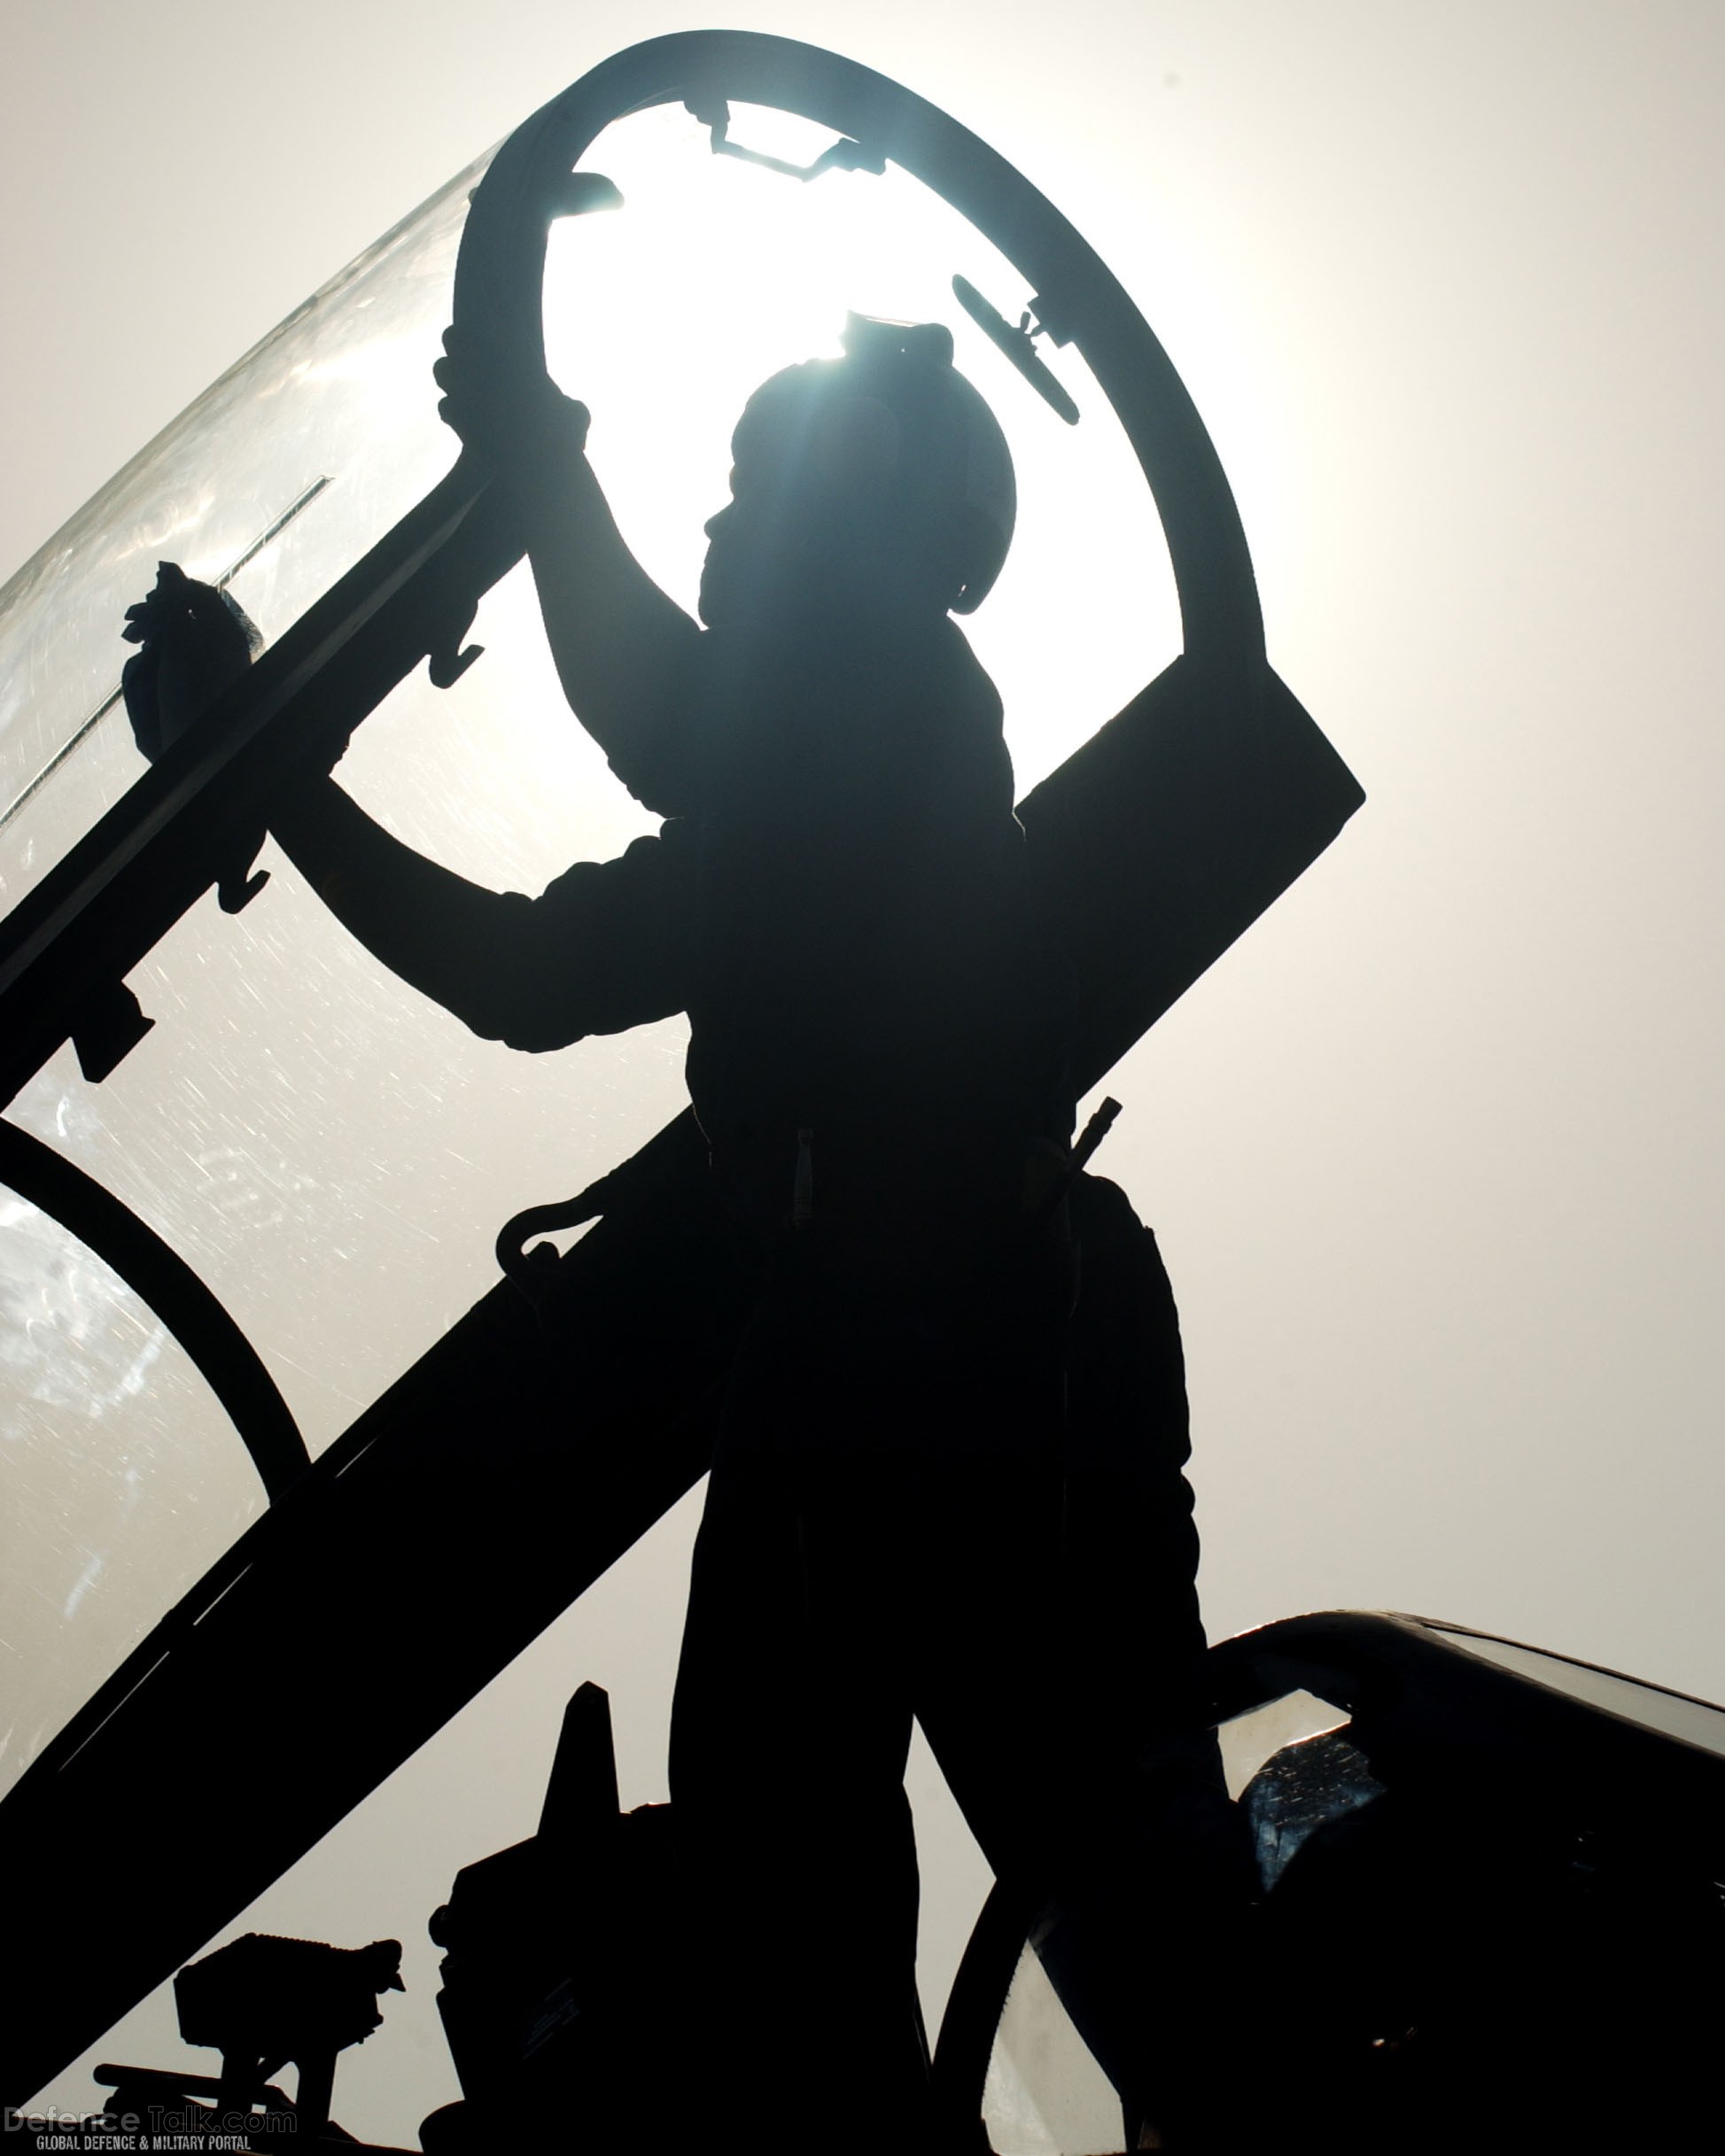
pixel 665 316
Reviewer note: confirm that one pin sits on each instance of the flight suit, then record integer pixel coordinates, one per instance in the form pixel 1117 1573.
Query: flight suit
pixel 947 1479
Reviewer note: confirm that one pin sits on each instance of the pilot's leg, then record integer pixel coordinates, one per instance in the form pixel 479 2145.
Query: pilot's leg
pixel 1061 1689
pixel 790 1733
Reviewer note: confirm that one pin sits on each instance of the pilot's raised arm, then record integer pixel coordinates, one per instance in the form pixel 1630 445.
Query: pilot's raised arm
pixel 625 651
pixel 601 951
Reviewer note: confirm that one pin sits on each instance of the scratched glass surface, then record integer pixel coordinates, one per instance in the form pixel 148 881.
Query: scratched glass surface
pixel 1044 2094
pixel 120 1479
pixel 1252 1739
pixel 278 477
pixel 331 1152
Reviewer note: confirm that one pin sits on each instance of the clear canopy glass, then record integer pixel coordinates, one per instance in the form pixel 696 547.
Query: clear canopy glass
pixel 123 1481
pixel 277 478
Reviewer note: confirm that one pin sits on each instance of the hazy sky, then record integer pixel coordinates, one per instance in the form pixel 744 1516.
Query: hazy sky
pixel 1435 1154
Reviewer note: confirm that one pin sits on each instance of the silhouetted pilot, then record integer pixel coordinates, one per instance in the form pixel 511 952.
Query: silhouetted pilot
pixel 903 1516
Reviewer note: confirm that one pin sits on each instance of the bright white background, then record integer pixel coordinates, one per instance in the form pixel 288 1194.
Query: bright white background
pixel 1435 1154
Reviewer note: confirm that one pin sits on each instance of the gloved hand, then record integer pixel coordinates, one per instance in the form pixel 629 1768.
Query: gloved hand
pixel 194 641
pixel 515 416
